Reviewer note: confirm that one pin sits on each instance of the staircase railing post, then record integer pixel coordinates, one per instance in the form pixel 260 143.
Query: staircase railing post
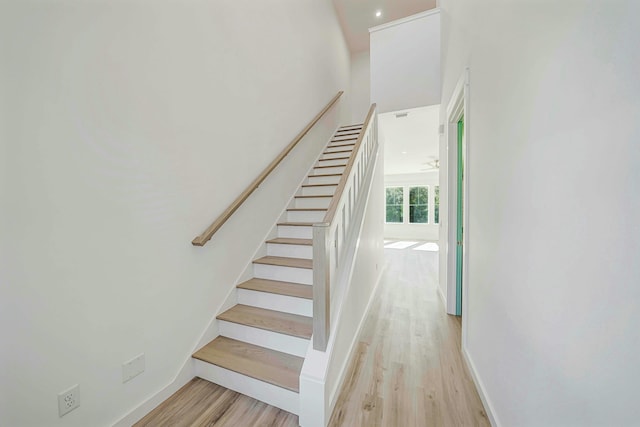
pixel 321 286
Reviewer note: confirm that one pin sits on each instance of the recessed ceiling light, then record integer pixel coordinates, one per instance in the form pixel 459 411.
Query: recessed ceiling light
pixel 378 13
pixel 404 152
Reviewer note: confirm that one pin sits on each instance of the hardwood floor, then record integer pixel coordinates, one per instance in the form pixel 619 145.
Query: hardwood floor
pixel 201 403
pixel 407 368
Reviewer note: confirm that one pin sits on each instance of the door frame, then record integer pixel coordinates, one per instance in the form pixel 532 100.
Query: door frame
pixel 457 108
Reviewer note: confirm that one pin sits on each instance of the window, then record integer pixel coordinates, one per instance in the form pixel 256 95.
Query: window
pixel 436 204
pixel 418 205
pixel 394 202
pixel 412 204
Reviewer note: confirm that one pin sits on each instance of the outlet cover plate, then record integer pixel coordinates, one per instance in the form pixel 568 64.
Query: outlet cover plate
pixel 68 400
pixel 132 368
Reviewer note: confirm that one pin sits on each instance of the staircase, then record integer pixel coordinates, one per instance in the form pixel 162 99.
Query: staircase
pixel 264 338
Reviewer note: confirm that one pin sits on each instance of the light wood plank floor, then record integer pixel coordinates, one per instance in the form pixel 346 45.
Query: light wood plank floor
pixel 201 403
pixel 407 368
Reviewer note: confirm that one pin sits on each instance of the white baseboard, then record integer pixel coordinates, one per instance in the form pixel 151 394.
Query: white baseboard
pixel 185 375
pixel 480 387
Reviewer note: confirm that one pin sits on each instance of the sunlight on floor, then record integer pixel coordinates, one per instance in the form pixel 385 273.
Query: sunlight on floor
pixel 431 247
pixel 422 246
pixel 399 245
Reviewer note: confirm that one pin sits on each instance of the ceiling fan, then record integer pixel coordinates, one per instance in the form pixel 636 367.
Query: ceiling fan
pixel 430 165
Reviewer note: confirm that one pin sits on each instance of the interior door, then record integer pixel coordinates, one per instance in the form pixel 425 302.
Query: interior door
pixel 460 217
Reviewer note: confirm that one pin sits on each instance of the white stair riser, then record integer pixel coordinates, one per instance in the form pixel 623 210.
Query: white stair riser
pixel 259 390
pixel 333 162
pixel 313 203
pixel 290 251
pixel 271 301
pixel 323 179
pixel 305 216
pixel 325 190
pixel 326 171
pixel 337 154
pixel 295 232
pixel 268 339
pixel 283 274
pixel 333 148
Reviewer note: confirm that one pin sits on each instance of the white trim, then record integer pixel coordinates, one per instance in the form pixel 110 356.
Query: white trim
pixel 488 407
pixel 465 236
pixel 458 106
pixel 404 20
pixel 186 374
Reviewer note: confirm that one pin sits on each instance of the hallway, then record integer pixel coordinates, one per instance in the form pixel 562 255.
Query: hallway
pixel 407 369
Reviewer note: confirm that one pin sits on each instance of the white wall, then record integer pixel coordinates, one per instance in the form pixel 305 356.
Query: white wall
pixel 409 231
pixel 127 128
pixel 367 270
pixel 551 304
pixel 405 62
pixel 360 86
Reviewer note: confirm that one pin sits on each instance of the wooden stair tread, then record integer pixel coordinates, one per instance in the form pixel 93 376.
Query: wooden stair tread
pixel 306 209
pixel 341 145
pixel 358 125
pixel 270 320
pixel 334 158
pixel 318 185
pixel 325 174
pixel 330 166
pixel 345 139
pixel 313 197
pixel 291 241
pixel 285 261
pixel 297 224
pixel 276 287
pixel 273 367
pixel 335 152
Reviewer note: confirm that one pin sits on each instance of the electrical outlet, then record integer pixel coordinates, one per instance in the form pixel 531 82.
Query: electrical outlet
pixel 68 400
pixel 132 368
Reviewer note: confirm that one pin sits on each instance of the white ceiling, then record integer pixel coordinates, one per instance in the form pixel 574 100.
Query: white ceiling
pixel 357 16
pixel 412 141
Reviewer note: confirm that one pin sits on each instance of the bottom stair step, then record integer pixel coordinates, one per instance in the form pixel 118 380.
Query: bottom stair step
pixel 273 367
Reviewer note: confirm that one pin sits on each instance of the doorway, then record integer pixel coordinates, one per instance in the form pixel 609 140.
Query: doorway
pixel 456 146
pixel 459 214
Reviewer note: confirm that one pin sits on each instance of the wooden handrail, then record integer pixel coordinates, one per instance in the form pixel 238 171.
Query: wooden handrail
pixel 202 239
pixel 333 206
